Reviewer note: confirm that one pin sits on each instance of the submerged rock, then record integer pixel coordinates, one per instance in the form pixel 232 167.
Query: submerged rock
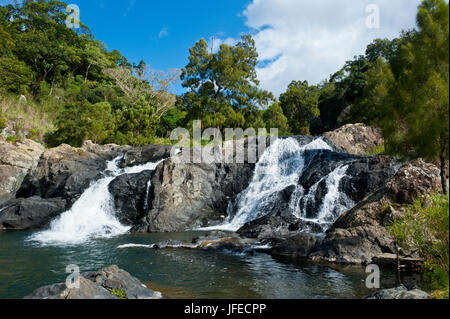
pixel 99 285
pixel 400 293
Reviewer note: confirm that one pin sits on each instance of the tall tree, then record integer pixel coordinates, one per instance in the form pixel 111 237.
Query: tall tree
pixel 223 87
pixel 419 108
pixel 300 105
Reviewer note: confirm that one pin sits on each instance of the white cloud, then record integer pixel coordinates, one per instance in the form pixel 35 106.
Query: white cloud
pixel 311 39
pixel 163 33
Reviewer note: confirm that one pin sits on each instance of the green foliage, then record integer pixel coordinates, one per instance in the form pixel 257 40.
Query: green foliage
pixel 425 227
pixel 15 75
pixel 119 293
pixel 222 87
pixel 3 122
pixel 300 105
pixel 274 118
pixel 377 150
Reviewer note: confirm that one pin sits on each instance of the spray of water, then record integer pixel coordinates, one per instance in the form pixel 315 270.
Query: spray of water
pixel 92 215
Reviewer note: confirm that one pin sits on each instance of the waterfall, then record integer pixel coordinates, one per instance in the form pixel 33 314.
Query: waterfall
pixel 92 215
pixel 334 203
pixel 279 167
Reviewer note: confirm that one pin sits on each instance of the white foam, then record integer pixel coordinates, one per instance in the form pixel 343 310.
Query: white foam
pixel 92 216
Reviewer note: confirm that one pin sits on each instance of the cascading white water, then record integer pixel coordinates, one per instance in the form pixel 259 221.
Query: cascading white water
pixel 333 205
pixel 279 167
pixel 92 215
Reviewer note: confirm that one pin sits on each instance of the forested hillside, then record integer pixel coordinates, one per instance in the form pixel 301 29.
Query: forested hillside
pixel 77 89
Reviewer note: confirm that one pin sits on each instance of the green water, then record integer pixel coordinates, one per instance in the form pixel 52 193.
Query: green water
pixel 179 273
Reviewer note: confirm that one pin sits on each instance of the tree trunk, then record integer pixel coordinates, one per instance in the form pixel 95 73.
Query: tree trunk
pixel 443 177
pixel 87 72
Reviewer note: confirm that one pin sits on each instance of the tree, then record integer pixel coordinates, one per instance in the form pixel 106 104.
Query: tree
pixel 418 108
pixel 274 118
pixel 300 105
pixel 223 87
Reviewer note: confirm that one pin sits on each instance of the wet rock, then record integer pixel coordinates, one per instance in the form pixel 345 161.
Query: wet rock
pixel 30 213
pixel 357 139
pixel 186 195
pixel 298 246
pixel 130 196
pixel 64 172
pixel 360 234
pixel 145 154
pixel 400 293
pixel 98 285
pixel 16 162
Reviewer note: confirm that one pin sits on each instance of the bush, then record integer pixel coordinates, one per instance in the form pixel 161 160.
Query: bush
pixel 3 122
pixel 119 293
pixel 425 228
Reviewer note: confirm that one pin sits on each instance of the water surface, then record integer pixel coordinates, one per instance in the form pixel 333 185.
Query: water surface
pixel 179 273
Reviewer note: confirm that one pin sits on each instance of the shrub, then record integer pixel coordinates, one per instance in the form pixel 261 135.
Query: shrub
pixel 119 293
pixel 425 228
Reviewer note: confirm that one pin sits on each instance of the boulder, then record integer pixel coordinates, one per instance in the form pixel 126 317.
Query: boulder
pixel 400 293
pixel 16 162
pixel 98 285
pixel 113 277
pixel 130 193
pixel 145 154
pixel 358 139
pixel 360 235
pixel 64 172
pixel 297 246
pixel 30 213
pixel 188 195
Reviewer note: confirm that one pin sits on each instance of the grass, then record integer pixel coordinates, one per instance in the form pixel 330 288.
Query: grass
pixel 425 228
pixel 29 119
pixel 377 150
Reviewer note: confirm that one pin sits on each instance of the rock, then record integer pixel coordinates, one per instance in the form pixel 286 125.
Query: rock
pixel 360 234
pixel 129 192
pixel 64 172
pixel 146 154
pixel 98 285
pixel 114 278
pixel 108 151
pixel 392 260
pixel 16 162
pixel 357 139
pixel 400 293
pixel 298 246
pixel 30 213
pixel 364 175
pixel 186 195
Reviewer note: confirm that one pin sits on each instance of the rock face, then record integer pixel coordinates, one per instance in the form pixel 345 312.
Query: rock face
pixel 363 176
pixel 131 196
pixel 400 293
pixel 30 213
pixel 98 285
pixel 361 234
pixel 187 195
pixel 357 139
pixel 64 172
pixel 16 162
pixel 145 154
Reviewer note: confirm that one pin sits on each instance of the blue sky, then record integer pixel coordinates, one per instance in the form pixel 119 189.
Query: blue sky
pixel 296 39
